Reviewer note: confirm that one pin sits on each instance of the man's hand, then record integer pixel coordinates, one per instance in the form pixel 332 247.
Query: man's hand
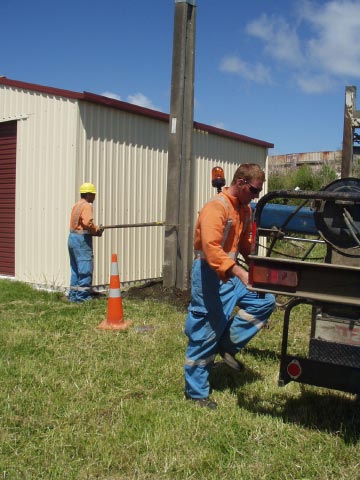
pixel 241 273
pixel 100 231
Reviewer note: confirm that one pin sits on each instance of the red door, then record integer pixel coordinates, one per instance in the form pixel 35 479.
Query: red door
pixel 7 197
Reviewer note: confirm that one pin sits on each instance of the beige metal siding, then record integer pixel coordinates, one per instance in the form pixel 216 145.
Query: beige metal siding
pixel 125 156
pixel 213 150
pixel 45 178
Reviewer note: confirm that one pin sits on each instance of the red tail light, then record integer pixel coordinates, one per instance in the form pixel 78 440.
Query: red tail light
pixel 294 369
pixel 274 276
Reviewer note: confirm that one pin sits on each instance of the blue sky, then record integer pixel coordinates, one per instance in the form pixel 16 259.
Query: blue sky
pixel 273 70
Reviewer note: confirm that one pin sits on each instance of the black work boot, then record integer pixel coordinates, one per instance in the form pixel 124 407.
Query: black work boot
pixel 231 361
pixel 203 402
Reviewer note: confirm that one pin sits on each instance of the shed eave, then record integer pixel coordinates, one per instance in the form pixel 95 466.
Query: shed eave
pixel 128 107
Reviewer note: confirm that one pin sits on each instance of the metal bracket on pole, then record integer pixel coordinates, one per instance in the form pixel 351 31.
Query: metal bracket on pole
pixel 190 2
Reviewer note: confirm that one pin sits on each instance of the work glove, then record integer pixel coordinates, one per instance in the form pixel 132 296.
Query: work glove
pixel 100 231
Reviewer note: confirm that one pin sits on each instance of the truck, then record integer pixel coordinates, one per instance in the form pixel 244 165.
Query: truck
pixel 325 221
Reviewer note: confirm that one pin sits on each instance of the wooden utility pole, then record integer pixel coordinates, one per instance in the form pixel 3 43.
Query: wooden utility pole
pixel 179 196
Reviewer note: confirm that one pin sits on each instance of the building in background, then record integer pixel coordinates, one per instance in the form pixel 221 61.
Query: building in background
pixel 53 140
pixel 315 160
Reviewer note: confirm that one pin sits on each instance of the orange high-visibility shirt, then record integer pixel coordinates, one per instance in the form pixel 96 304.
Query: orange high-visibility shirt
pixel 81 220
pixel 219 218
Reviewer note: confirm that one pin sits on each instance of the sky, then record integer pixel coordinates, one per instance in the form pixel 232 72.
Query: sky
pixel 272 70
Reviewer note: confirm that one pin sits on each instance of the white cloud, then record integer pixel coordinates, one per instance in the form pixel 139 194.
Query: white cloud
pixel 136 99
pixel 315 83
pixel 318 46
pixel 257 73
pixel 111 95
pixel 281 39
pixel 141 100
pixel 335 45
pixel 219 125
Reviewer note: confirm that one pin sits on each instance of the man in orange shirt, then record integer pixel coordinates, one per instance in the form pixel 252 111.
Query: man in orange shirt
pixel 223 230
pixel 82 229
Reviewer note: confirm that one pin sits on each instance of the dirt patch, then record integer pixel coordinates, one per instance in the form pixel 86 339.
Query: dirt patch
pixel 156 291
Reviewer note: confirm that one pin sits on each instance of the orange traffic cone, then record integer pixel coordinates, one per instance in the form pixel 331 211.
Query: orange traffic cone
pixel 115 316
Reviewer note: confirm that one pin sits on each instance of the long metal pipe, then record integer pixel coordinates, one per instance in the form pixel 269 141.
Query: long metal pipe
pixel 131 225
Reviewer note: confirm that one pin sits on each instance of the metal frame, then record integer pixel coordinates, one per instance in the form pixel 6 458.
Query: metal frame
pixel 317 372
pixel 331 362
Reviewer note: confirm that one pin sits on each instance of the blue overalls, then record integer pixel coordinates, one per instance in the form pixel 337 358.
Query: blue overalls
pixel 81 266
pixel 210 326
pixel 80 246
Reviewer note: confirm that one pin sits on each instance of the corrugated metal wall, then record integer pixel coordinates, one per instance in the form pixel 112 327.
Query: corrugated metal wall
pixel 125 155
pixel 45 179
pixel 213 150
pixel 63 142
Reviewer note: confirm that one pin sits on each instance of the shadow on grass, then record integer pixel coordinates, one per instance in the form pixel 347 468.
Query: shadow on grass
pixel 223 377
pixel 325 410
pixel 263 353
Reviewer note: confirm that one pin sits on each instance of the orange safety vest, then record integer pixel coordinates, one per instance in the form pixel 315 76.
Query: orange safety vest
pixel 223 229
pixel 81 220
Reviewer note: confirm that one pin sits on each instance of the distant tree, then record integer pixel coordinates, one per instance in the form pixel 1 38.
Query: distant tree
pixel 326 175
pixel 305 178
pixel 282 180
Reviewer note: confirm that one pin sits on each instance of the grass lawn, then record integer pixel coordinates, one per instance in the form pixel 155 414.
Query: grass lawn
pixel 82 403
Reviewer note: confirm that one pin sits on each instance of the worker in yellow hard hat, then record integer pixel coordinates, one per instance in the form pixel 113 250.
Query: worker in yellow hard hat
pixel 82 229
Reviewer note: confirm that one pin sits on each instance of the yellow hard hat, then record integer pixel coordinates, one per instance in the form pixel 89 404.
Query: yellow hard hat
pixel 87 188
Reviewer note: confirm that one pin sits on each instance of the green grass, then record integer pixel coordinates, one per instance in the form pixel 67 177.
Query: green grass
pixel 82 403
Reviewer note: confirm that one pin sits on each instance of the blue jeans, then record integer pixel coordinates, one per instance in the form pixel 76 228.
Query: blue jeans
pixel 210 326
pixel 81 265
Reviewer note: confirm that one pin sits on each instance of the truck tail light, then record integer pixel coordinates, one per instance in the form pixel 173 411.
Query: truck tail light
pixel 294 369
pixel 274 276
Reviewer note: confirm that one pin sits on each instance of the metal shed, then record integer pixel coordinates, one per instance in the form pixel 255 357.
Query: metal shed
pixel 52 140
